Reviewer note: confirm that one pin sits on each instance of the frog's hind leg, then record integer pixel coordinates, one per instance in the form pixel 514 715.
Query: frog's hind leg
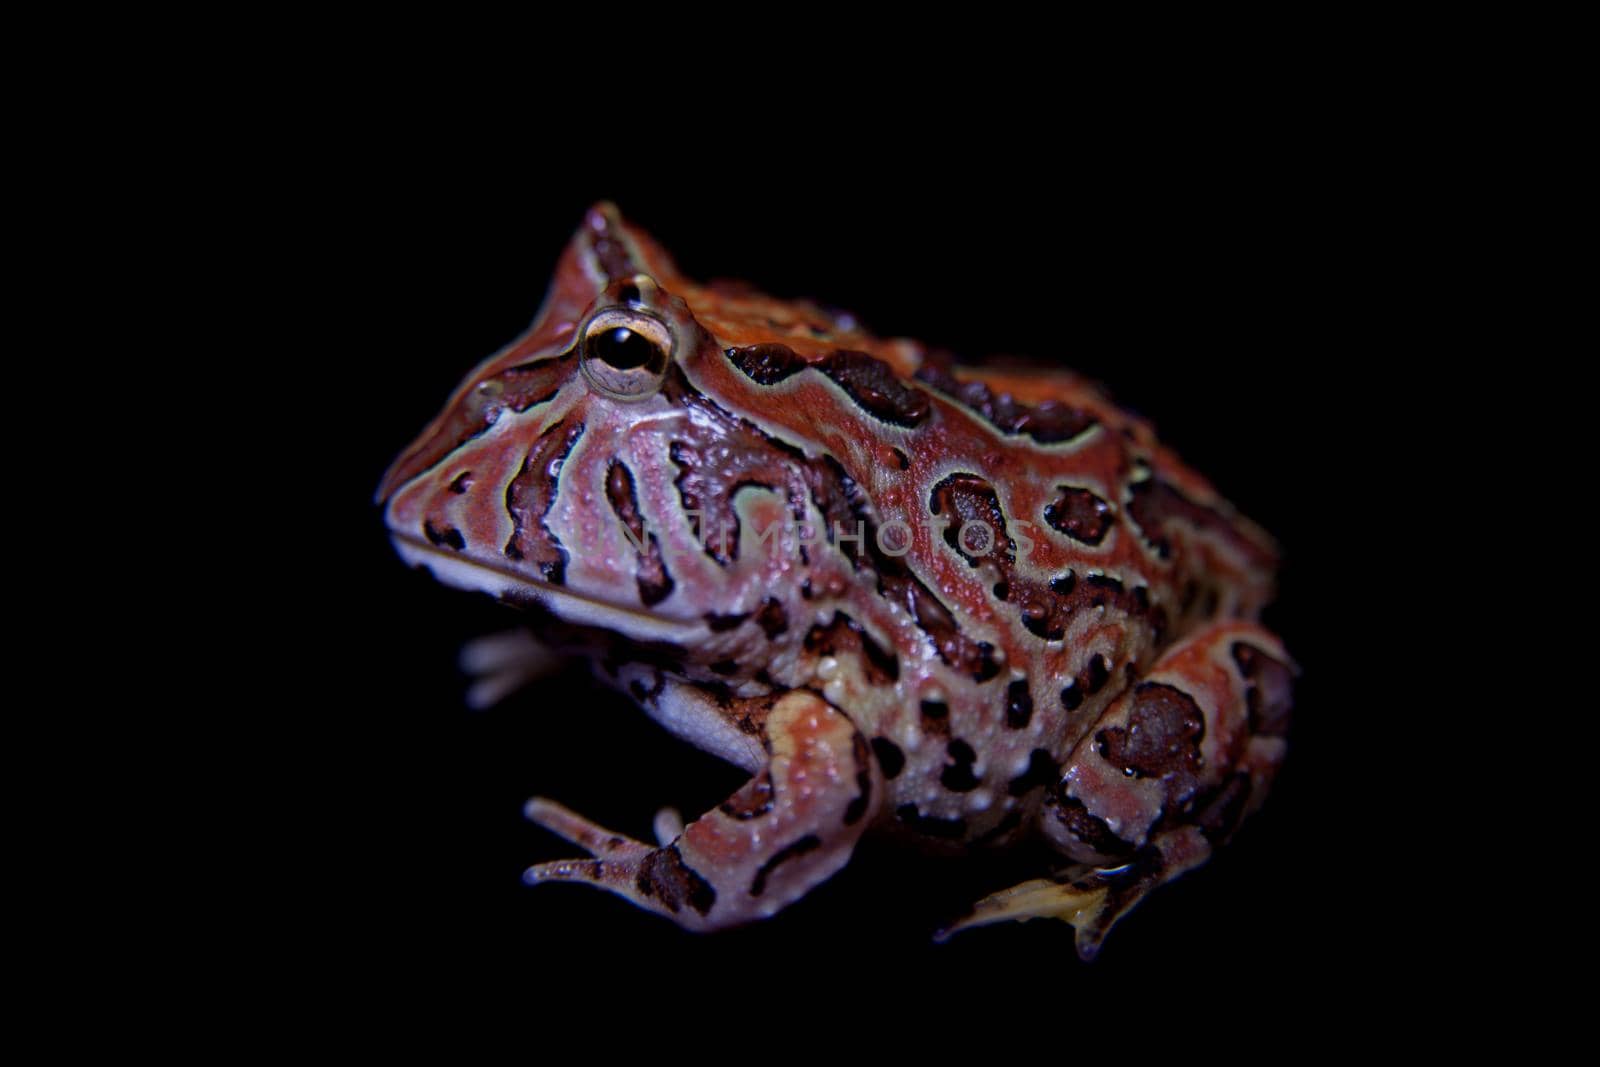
pixel 789 828
pixel 1168 772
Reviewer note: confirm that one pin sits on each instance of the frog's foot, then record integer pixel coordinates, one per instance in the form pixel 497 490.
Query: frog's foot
pixel 1167 772
pixel 500 664
pixel 1077 903
pixel 789 828
pixel 1089 899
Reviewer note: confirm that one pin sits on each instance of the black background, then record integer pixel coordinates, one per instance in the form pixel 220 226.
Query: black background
pixel 1223 290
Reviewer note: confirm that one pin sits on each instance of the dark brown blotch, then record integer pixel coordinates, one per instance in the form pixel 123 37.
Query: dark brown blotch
pixel 844 636
pixel 956 649
pixel 875 387
pixel 957 775
pixel 891 761
pixel 753 800
pixel 1019 704
pixel 1158 508
pixel 1047 608
pixel 1079 514
pixel 843 505
pixel 1270 691
pixel 766 364
pixel 1095 674
pixel 863 797
pixel 1090 829
pixel 964 499
pixel 654 581
pixel 1162 737
pixel 869 381
pixel 664 875
pixel 771 617
pixel 1047 423
pixel 808 843
pixel 443 536
pixel 532 493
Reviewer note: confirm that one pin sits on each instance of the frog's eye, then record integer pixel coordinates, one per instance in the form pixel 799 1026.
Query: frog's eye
pixel 625 352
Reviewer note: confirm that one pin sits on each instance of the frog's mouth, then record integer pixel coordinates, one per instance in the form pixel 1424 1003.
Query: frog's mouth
pixel 517 588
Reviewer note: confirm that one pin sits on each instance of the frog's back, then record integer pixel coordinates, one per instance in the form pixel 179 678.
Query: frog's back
pixel 1028 548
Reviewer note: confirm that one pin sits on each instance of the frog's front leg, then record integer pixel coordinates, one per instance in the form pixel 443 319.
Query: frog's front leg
pixel 1169 770
pixel 789 828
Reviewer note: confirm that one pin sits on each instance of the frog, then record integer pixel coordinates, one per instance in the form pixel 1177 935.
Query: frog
pixel 968 607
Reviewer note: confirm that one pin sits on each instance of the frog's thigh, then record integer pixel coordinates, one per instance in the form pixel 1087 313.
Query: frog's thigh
pixel 789 828
pixel 1168 771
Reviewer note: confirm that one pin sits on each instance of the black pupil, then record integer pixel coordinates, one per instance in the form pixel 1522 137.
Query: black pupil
pixel 624 349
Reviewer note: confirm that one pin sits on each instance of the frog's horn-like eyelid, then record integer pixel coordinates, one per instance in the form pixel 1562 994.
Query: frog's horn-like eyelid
pixel 616 257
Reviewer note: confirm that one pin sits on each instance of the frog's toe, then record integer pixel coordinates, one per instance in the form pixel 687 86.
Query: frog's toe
pixel 614 859
pixel 668 826
pixel 500 664
pixel 1091 899
pixel 590 836
pixel 1081 904
pixel 576 870
pixel 656 879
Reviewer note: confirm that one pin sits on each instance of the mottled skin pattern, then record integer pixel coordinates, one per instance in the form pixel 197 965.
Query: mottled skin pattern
pixel 1088 673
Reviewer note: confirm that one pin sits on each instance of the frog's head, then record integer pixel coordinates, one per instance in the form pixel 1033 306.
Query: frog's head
pixel 625 465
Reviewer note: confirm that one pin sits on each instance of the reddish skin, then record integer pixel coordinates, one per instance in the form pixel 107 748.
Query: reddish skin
pixel 1172 616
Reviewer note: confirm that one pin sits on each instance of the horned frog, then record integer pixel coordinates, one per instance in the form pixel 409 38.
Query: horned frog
pixel 967 607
